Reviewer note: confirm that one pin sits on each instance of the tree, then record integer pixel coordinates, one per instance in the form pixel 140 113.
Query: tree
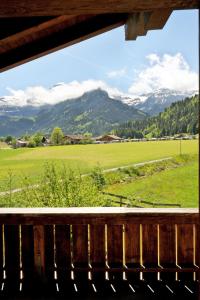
pixel 57 136
pixel 37 138
pixel 8 139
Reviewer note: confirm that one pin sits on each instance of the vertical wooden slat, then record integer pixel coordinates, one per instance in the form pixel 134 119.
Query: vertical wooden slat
pixel 132 249
pixel 49 255
pixel 27 240
pixel 80 250
pixel 97 250
pixel 150 249
pixel 39 253
pixel 44 257
pixel 115 249
pixel 12 257
pixel 1 253
pixel 185 249
pixel 167 249
pixel 63 252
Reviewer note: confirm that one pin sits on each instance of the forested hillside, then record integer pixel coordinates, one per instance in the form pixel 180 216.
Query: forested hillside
pixel 94 112
pixel 180 117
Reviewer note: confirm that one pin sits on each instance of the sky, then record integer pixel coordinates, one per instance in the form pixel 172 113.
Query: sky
pixel 166 58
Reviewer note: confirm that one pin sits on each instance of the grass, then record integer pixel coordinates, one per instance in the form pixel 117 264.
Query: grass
pixel 177 185
pixel 4 145
pixel 30 162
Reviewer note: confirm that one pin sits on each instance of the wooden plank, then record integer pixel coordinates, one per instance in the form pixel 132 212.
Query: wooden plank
pixel 39 31
pixel 63 253
pixel 185 245
pixel 49 256
pixel 150 248
pixel 113 215
pixel 44 258
pixel 12 258
pixel 15 8
pixel 80 250
pixel 54 35
pixel 39 253
pixel 11 26
pixel 27 241
pixel 97 250
pixel 132 249
pixel 158 18
pixel 115 249
pixel 167 250
pixel 185 248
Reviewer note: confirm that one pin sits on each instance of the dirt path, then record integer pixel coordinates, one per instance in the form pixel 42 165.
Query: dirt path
pixel 104 171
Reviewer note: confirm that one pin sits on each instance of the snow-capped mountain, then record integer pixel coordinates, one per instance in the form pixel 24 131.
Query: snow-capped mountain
pixel 156 102
pixel 151 103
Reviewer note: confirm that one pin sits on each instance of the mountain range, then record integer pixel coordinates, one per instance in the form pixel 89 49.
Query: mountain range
pixel 155 102
pixel 95 112
pixel 179 117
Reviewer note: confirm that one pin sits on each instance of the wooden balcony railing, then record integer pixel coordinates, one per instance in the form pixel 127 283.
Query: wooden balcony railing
pixel 75 250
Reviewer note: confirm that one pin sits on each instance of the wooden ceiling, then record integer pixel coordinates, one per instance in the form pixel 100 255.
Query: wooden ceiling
pixel 30 29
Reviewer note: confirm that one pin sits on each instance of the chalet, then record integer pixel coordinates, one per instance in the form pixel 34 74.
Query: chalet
pixel 108 138
pixel 74 139
pixel 21 143
pixel 45 141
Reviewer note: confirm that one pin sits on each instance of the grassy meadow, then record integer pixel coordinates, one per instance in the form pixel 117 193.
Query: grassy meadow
pixel 17 165
pixel 178 185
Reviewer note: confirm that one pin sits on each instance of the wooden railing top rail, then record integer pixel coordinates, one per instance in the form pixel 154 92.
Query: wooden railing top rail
pixel 98 215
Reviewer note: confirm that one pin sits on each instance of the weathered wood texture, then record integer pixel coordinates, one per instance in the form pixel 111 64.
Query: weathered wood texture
pixel 53 35
pixel 139 23
pixel 167 249
pixel 63 252
pixel 59 7
pixel 113 215
pixel 80 250
pixel 96 243
pixel 132 249
pixel 97 250
pixel 115 249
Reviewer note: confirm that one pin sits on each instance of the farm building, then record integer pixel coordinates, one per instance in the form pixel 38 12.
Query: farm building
pixel 74 139
pixel 108 138
pixel 21 143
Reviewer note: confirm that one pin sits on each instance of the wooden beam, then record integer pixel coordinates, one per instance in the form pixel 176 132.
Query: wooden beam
pixel 139 23
pixel 10 26
pixel 15 8
pixel 53 35
pixel 158 18
pixel 136 25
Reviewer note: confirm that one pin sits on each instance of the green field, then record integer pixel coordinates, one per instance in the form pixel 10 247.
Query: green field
pixel 179 185
pixel 30 162
pixel 3 145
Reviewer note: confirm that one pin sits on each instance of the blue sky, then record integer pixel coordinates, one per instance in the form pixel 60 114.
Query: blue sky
pixel 118 64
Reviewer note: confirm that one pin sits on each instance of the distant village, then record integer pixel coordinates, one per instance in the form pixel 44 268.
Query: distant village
pixel 58 138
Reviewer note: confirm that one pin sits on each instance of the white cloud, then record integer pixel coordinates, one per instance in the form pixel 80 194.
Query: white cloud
pixel 167 71
pixel 117 73
pixel 38 95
